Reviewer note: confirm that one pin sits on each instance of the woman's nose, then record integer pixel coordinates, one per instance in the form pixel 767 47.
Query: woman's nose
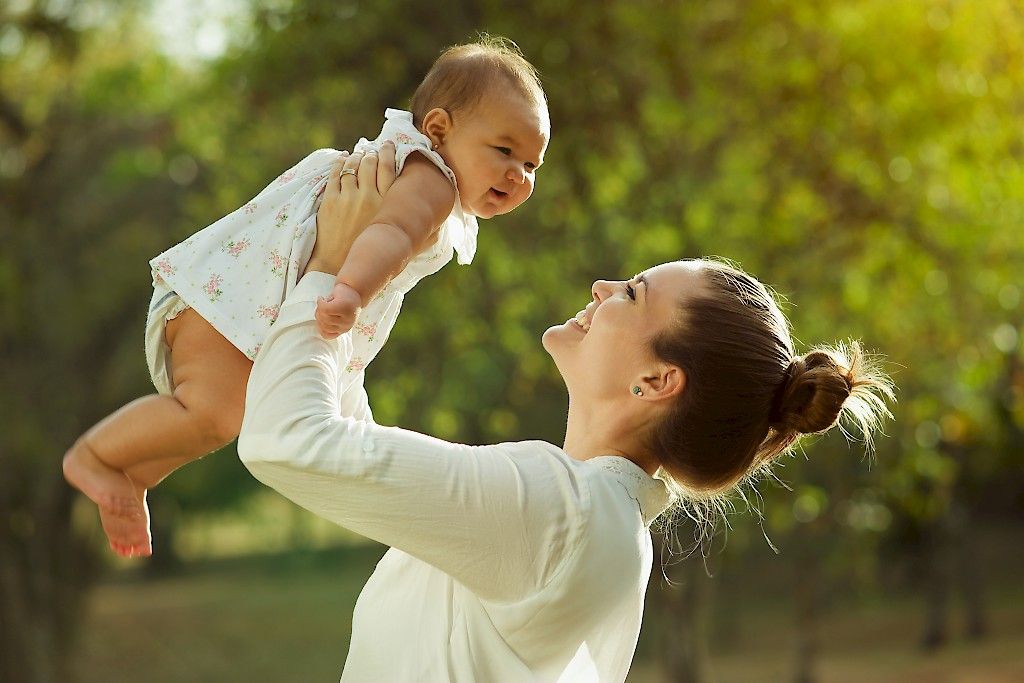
pixel 601 289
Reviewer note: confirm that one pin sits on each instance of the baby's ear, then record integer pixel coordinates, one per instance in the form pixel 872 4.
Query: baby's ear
pixel 436 125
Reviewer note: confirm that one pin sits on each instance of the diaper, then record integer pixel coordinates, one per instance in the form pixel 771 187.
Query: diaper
pixel 165 305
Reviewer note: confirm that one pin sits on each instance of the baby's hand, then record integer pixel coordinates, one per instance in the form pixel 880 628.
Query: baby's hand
pixel 336 314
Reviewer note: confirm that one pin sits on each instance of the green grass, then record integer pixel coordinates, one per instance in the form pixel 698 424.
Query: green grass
pixel 263 620
pixel 875 643
pixel 288 618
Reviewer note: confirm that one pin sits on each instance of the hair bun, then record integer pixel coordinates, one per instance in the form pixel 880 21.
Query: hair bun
pixel 813 392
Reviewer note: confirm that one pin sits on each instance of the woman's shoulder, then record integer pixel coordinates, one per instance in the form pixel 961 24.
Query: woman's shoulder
pixel 632 485
pixel 553 486
pixel 616 477
pixel 603 495
pixel 599 548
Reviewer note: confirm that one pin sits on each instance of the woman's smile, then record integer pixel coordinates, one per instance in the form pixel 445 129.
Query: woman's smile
pixel 582 320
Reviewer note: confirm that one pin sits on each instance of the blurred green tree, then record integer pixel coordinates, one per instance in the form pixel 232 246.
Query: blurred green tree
pixel 864 158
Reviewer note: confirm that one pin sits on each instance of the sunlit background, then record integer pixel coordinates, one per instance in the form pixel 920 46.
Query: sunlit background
pixel 864 157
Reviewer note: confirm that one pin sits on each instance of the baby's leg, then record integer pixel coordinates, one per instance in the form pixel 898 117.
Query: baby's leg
pixel 140 444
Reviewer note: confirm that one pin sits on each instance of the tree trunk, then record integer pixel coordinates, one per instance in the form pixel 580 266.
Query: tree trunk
pixel 807 598
pixel 952 563
pixel 164 521
pixel 970 570
pixel 43 574
pixel 683 604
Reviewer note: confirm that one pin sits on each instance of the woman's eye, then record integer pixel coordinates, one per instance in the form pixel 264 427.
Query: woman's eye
pixel 630 292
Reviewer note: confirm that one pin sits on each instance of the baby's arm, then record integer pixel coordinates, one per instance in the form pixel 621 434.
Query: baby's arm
pixel 412 211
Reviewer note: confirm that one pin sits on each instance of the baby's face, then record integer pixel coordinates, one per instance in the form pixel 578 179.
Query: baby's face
pixel 495 149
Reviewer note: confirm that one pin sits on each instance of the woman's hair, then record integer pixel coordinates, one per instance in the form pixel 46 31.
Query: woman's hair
pixel 463 74
pixel 748 397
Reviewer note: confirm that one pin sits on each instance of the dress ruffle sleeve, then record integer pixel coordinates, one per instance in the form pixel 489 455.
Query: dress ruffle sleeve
pixel 398 128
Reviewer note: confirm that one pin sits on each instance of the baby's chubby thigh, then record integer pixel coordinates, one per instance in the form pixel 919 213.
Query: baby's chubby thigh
pixel 210 375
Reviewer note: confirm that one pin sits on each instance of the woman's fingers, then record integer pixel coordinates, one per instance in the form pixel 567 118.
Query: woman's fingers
pixel 333 183
pixel 386 167
pixel 350 170
pixel 372 169
pixel 367 172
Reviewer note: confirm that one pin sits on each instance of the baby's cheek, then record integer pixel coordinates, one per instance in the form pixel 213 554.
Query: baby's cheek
pixel 527 193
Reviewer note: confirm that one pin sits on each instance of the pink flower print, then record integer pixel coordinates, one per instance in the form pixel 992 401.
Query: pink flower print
pixel 278 263
pixel 249 208
pixel 404 139
pixel 355 365
pixel 269 312
pixel 286 176
pixel 212 287
pixel 251 353
pixel 235 248
pixel 281 217
pixel 369 329
pixel 163 267
pixel 316 179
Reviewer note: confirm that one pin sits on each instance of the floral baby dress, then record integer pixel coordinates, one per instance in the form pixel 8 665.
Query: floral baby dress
pixel 237 272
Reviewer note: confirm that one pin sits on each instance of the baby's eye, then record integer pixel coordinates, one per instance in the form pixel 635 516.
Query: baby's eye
pixel 507 151
pixel 630 292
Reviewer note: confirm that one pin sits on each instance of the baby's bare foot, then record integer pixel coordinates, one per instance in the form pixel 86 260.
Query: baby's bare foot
pixel 129 536
pixel 123 510
pixel 110 489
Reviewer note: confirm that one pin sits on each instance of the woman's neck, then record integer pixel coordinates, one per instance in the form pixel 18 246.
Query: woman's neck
pixel 590 433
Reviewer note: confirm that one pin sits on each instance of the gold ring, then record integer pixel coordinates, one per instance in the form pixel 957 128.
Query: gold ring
pixel 348 171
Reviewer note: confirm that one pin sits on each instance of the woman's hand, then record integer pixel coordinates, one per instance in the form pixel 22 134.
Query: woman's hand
pixel 351 199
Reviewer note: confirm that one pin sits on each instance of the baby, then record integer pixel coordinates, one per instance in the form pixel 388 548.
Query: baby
pixel 469 148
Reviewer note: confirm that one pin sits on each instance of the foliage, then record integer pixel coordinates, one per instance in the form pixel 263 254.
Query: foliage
pixel 863 157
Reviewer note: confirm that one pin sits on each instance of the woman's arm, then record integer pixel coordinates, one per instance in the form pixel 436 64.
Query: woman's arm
pixel 499 519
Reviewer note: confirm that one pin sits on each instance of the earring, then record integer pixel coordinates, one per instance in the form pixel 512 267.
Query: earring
pixel 637 391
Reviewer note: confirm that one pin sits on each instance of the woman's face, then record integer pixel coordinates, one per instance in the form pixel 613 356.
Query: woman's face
pixel 606 348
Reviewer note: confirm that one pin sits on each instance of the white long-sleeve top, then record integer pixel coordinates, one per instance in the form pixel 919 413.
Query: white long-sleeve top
pixel 511 562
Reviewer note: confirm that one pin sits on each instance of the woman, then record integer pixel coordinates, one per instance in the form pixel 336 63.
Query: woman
pixel 526 561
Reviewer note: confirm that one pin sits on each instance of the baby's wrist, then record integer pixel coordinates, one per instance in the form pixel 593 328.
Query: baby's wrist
pixel 347 294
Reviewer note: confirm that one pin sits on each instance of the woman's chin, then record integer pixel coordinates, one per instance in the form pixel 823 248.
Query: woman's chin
pixel 554 342
pixel 554 338
pixel 560 341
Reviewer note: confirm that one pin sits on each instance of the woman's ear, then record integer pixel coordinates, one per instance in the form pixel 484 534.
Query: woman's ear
pixel 667 381
pixel 437 123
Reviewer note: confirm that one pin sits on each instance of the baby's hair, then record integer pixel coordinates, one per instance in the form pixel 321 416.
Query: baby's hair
pixel 463 74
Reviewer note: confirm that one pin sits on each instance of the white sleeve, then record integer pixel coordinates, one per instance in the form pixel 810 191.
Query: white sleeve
pixel 499 519
pixel 354 401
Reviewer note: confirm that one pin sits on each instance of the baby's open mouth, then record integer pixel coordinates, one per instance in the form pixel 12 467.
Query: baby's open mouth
pixel 498 194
